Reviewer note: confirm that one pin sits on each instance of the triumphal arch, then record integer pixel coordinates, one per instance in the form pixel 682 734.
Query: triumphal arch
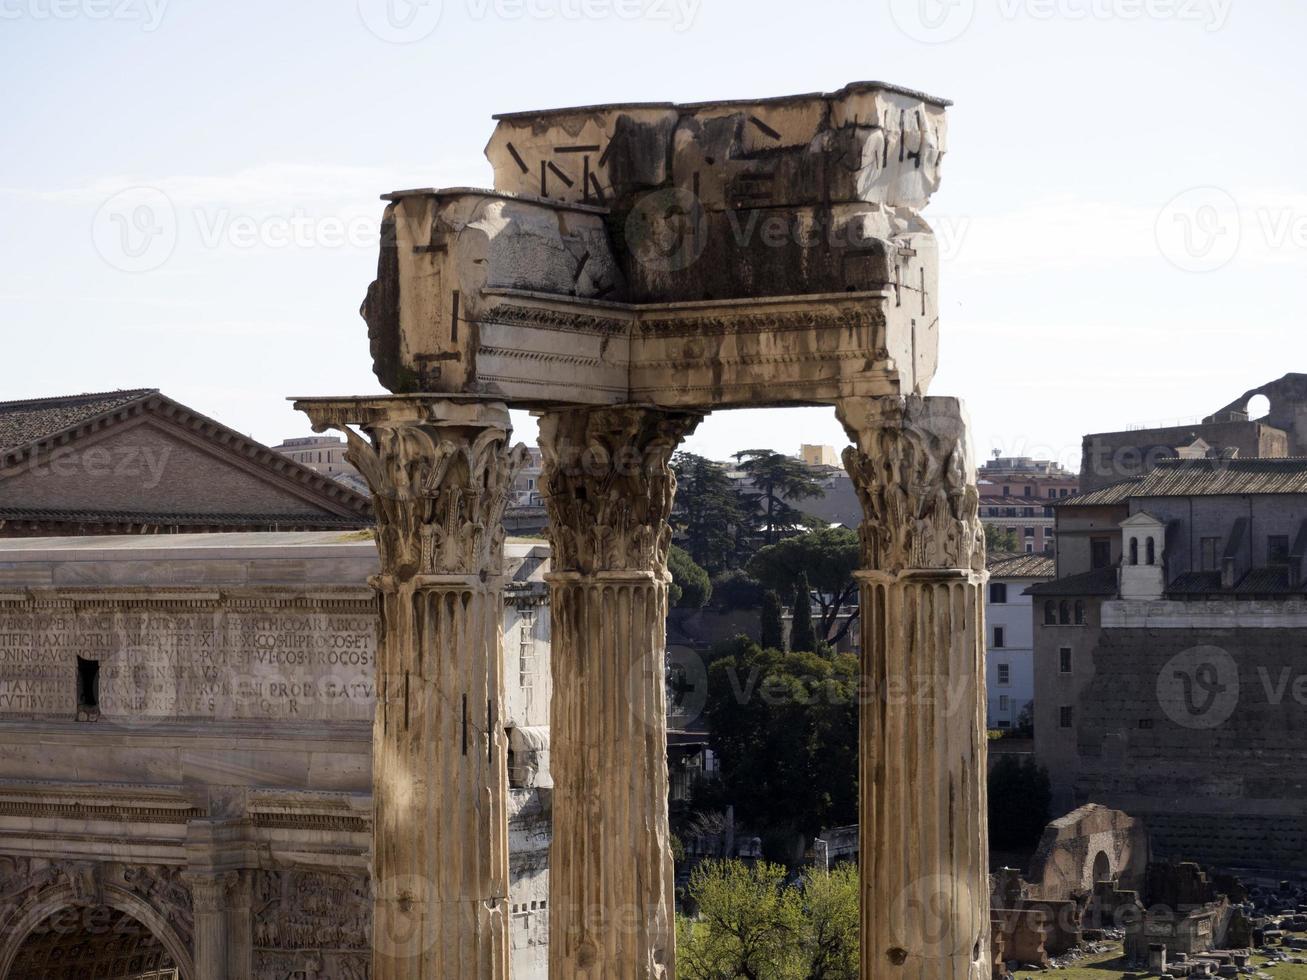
pixel 634 268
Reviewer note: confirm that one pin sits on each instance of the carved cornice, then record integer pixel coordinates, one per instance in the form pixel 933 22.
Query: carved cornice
pixel 608 486
pixel 439 491
pixel 911 467
pixel 545 318
pixel 718 324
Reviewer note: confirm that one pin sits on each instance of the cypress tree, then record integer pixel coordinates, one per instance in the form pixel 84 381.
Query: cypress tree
pixel 773 632
pixel 802 637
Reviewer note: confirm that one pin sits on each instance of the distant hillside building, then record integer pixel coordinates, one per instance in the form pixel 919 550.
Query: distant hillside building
pixel 325 455
pixel 137 462
pixel 820 455
pixel 1170 680
pixel 1109 457
pixel 1017 494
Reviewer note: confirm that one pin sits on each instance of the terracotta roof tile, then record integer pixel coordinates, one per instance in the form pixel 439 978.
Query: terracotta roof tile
pixel 25 422
pixel 1021 566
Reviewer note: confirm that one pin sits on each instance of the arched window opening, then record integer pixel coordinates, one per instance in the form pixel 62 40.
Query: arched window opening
pixel 1080 612
pixel 1134 551
pixel 1050 613
pixel 1152 552
pixel 1064 613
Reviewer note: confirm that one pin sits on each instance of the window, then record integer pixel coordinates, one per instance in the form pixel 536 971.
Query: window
pixel 1050 613
pixel 1277 550
pixel 1030 532
pixel 1063 493
pixel 1134 551
pixel 1027 512
pixel 1080 612
pixel 1005 675
pixel 1030 491
pixel 88 688
pixel 1064 613
pixel 1048 511
pixel 1145 723
pixel 1052 494
pixel 1064 716
pixel 1030 548
pixel 1007 491
pixel 1152 551
pixel 998 592
pixel 1064 660
pixel 1000 635
pixel 1004 703
pixel 1211 554
pixel 1100 553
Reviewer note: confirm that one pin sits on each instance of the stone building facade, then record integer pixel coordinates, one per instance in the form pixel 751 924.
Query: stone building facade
pixel 1168 658
pixel 186 782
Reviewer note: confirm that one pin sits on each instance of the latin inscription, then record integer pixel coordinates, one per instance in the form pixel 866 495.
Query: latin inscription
pixel 218 664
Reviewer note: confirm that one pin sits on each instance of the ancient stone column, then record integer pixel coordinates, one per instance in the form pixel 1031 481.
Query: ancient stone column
pixel 609 489
pixel 924 847
pixel 212 899
pixel 440 477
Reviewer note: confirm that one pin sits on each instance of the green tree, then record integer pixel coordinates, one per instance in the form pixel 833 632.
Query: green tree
pixel 777 481
pixel 750 924
pixel 736 589
pixel 802 636
pixel 829 558
pixel 691 588
pixel 784 727
pixel 1001 539
pixel 746 926
pixel 710 517
pixel 829 924
pixel 1019 799
pixel 772 627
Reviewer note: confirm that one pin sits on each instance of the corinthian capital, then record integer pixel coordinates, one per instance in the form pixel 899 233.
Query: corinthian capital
pixel 609 486
pixel 440 479
pixel 911 465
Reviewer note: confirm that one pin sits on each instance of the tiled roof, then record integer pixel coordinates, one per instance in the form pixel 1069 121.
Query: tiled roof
pixel 29 515
pixel 1266 581
pixel 25 422
pixel 1221 477
pixel 1021 566
pixel 1109 496
pixel 1195 583
pixel 1101 581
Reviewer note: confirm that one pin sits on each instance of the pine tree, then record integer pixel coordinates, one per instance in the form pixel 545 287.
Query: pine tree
pixel 773 633
pixel 802 637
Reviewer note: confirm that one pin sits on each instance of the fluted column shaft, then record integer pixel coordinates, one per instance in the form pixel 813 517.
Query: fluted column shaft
pixel 212 899
pixel 922 816
pixel 609 492
pixel 440 479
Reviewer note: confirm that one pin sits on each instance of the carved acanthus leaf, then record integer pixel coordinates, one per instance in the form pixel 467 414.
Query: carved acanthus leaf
pixel 439 493
pixel 911 467
pixel 609 486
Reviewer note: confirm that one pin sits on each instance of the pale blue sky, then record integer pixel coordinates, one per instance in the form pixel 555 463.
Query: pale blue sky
pixel 1077 122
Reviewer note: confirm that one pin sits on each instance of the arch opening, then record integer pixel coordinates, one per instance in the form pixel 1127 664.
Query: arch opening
pixel 97 941
pixel 1102 867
